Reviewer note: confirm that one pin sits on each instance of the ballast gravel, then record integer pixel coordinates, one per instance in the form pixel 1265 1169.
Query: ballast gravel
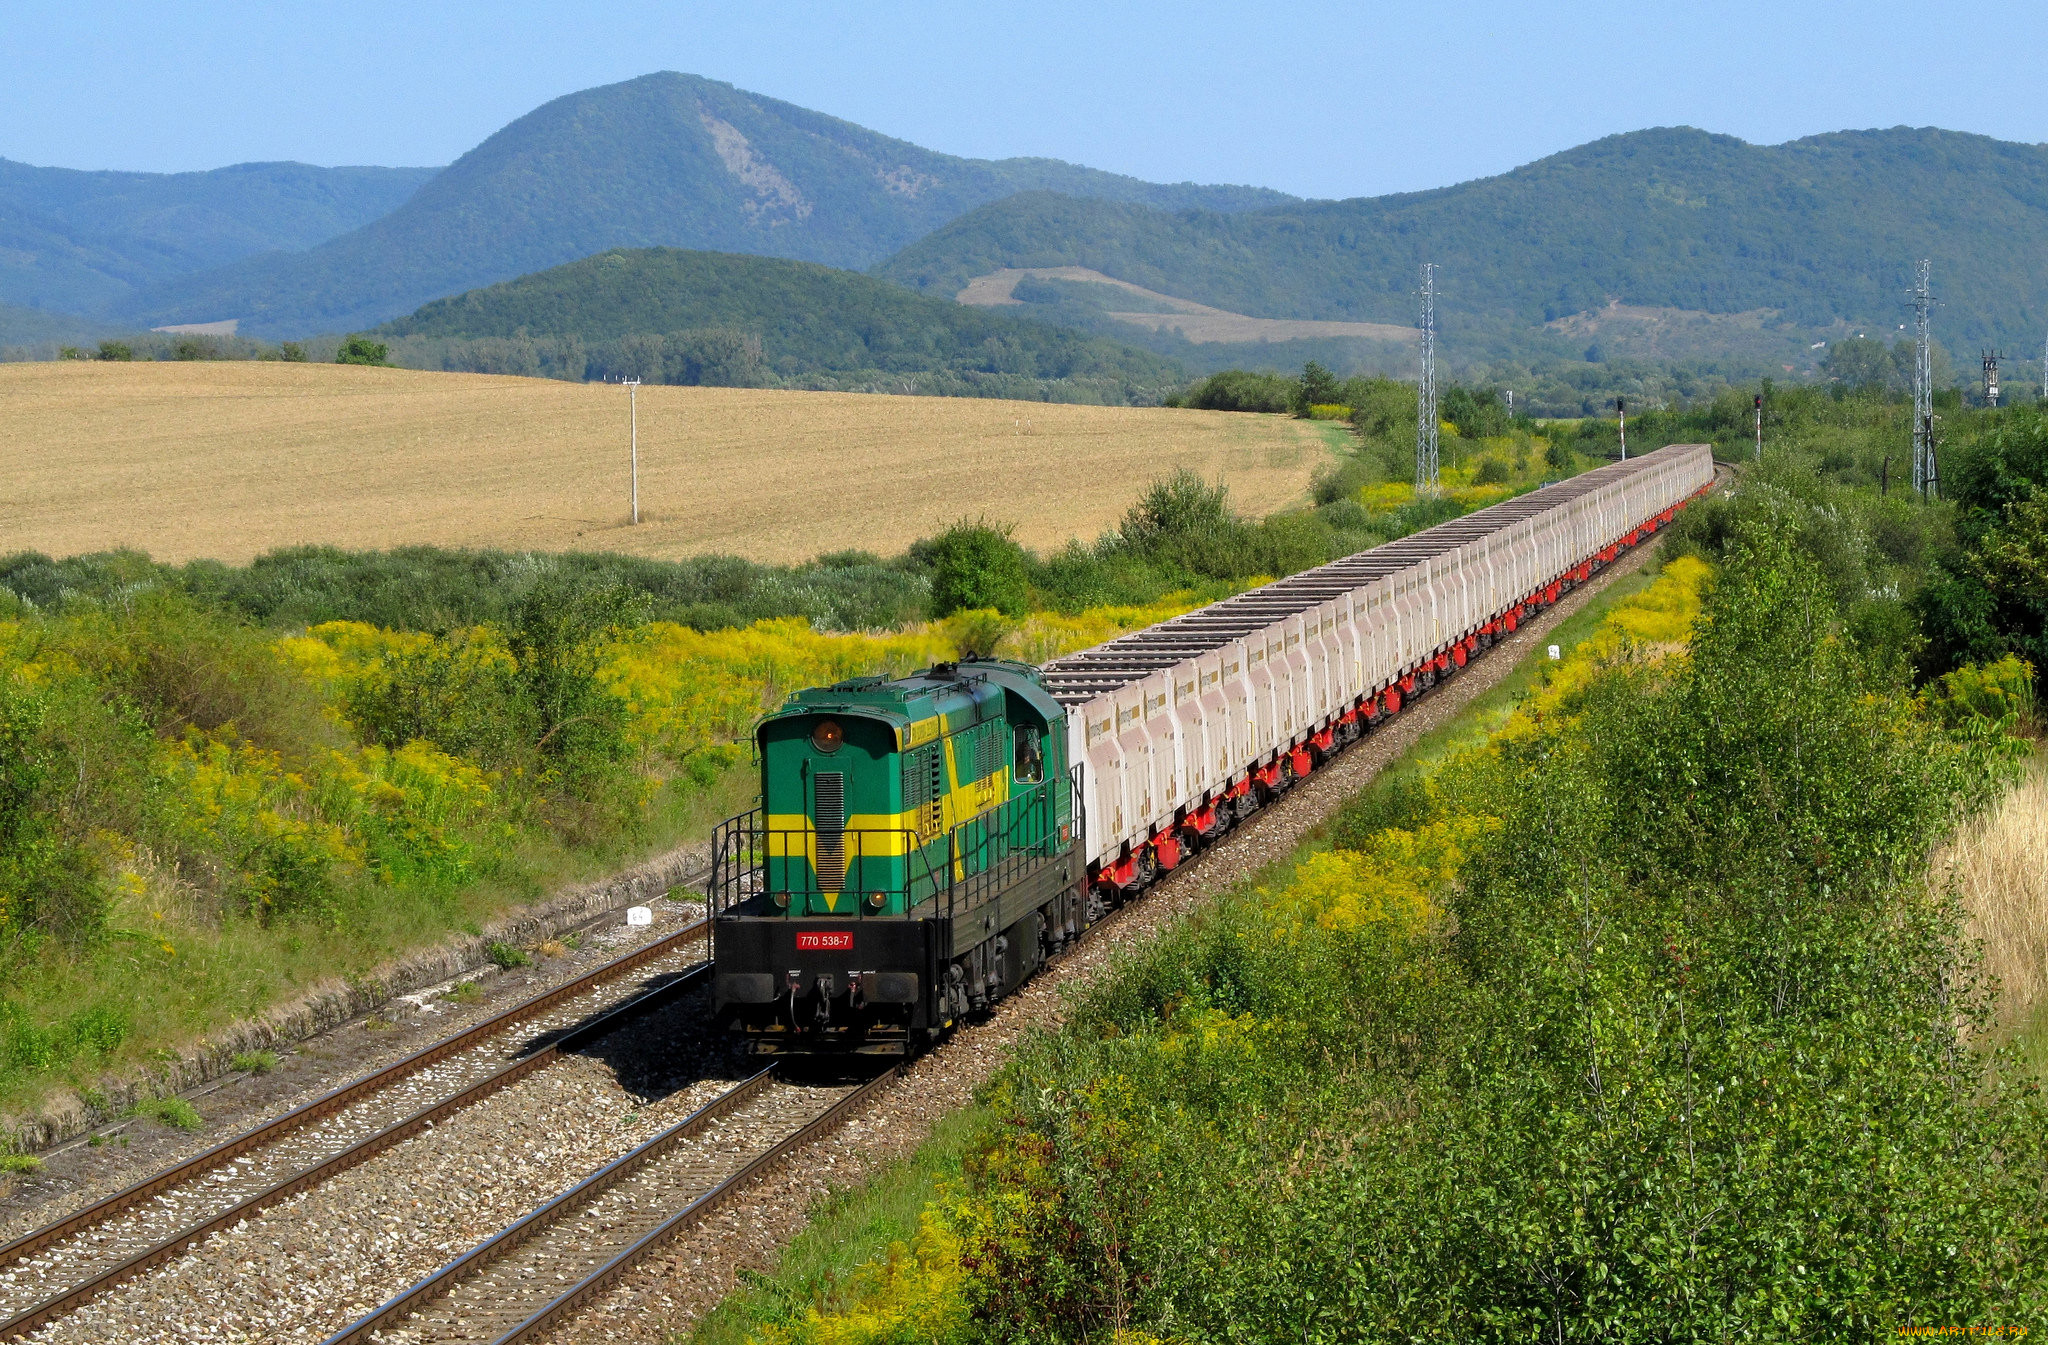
pixel 306 1267
pixel 657 1302
pixel 77 1174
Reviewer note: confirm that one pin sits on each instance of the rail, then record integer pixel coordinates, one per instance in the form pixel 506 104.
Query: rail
pixel 333 1102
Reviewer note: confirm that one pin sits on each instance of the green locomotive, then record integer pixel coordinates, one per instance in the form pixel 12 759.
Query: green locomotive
pixel 913 859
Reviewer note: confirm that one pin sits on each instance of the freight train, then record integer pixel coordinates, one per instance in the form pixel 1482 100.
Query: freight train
pixel 924 844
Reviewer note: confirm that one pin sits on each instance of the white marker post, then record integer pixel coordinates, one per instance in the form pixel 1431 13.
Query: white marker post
pixel 639 916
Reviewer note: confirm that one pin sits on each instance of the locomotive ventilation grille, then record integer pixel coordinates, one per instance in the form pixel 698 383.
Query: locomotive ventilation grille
pixel 830 814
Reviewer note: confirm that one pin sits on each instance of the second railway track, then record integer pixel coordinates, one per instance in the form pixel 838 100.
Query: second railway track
pixel 54 1270
pixel 516 1286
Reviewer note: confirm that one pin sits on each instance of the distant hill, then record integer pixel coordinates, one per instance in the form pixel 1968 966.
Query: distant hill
pixel 74 241
pixel 666 159
pixel 33 327
pixel 676 316
pixel 1666 243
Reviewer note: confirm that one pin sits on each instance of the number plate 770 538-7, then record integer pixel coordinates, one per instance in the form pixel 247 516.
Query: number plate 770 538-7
pixel 825 941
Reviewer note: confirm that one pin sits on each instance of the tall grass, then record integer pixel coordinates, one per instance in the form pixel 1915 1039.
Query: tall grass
pixel 1999 865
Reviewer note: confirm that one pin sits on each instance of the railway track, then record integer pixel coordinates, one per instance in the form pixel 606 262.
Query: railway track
pixel 64 1265
pixel 517 1285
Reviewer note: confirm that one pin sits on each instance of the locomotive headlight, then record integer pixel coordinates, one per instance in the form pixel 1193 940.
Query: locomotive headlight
pixel 782 900
pixel 827 736
pixel 875 900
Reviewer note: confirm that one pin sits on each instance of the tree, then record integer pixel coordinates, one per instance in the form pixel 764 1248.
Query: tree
pixel 116 350
pixel 362 350
pixel 291 352
pixel 1318 388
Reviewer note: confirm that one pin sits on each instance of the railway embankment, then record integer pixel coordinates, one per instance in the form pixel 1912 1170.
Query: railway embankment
pixel 1642 1005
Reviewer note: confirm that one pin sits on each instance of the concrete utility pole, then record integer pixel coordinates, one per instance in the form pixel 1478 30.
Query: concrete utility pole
pixel 1621 409
pixel 1923 384
pixel 632 386
pixel 1427 479
pixel 1759 427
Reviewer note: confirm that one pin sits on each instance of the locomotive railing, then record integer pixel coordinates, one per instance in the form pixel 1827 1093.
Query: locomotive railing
pixel 927 875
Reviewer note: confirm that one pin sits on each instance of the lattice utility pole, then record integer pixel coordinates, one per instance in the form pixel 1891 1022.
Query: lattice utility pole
pixel 1427 479
pixel 1991 378
pixel 1923 383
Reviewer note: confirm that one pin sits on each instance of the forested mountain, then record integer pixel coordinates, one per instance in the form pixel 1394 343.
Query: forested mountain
pixel 676 316
pixel 74 241
pixel 666 159
pixel 1783 245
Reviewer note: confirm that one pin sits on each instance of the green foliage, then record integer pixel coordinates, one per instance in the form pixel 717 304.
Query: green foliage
pixel 556 633
pixel 979 631
pixel 116 350
pixel 1692 1056
pixel 1238 390
pixel 291 352
pixel 429 588
pixel 976 565
pixel 665 315
pixel 507 957
pixel 362 350
pixel 1704 215
pixel 49 883
pixel 1998 695
pixel 254 1062
pixel 174 1112
pixel 1318 387
pixel 23 1164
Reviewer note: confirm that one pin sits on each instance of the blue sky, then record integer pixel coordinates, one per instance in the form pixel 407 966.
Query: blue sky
pixel 1318 99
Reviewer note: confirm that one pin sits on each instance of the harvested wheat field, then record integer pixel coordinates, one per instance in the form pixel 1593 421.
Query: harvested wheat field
pixel 228 460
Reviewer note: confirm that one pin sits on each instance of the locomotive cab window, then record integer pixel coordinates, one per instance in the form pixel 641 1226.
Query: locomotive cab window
pixel 1030 760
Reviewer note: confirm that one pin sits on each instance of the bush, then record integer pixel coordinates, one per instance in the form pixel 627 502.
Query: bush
pixel 362 350
pixel 254 1062
pixel 49 883
pixel 1237 390
pixel 116 350
pixel 1998 695
pixel 976 565
pixel 174 1112
pixel 507 957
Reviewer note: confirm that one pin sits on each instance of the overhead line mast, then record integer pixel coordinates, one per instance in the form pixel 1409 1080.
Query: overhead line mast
pixel 1427 479
pixel 1923 386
